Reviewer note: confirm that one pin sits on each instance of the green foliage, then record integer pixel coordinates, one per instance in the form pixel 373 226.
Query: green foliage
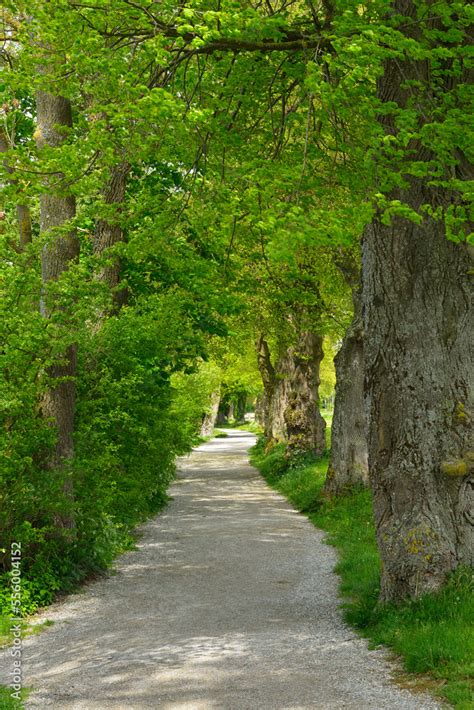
pixel 433 634
pixel 192 397
pixel 327 373
pixel 9 703
pixel 139 404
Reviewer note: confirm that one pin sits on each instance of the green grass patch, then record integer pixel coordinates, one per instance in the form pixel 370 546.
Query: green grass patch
pixel 218 434
pixel 433 634
pixel 9 703
pixel 27 628
pixel 5 634
pixel 247 426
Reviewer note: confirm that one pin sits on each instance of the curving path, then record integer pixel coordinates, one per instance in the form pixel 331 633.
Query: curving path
pixel 230 603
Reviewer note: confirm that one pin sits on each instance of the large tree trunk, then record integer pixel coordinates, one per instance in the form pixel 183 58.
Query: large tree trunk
pixel 284 371
pixel 348 464
pixel 210 417
pixel 291 399
pixel 109 232
pixel 304 424
pixel 419 389
pixel 418 354
pixel 60 249
pixel 267 373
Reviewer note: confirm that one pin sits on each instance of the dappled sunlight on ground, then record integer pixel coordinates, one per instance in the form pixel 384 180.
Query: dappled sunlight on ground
pixel 229 602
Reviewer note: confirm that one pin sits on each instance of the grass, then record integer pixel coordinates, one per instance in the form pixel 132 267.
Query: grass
pixel 218 434
pixel 433 635
pixel 6 700
pixel 247 426
pixel 9 703
pixel 6 638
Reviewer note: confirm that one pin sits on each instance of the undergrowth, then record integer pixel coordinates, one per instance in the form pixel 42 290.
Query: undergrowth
pixel 433 634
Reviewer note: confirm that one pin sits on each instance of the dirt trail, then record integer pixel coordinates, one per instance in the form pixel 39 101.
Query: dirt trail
pixel 230 603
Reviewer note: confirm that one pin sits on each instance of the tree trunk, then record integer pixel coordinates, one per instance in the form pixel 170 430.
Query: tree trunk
pixel 223 412
pixel 418 355
pixel 304 424
pixel 109 232
pixel 291 400
pixel 284 371
pixel 24 225
pixel 419 377
pixel 348 464
pixel 60 249
pixel 241 407
pixel 267 373
pixel 22 210
pixel 260 407
pixel 210 417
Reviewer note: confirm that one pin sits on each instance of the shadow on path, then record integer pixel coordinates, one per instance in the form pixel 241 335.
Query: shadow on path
pixel 229 603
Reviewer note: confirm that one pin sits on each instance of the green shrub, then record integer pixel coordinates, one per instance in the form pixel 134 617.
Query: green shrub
pixel 138 406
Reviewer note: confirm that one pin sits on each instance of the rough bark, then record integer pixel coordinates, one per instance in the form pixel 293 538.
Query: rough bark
pixel 267 373
pixel 291 400
pixel 304 424
pixel 418 355
pixel 419 390
pixel 109 232
pixel 348 464
pixel 60 249
pixel 284 370
pixel 210 417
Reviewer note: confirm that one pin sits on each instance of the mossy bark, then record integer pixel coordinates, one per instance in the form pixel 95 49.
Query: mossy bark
pixel 291 404
pixel 417 300
pixel 305 425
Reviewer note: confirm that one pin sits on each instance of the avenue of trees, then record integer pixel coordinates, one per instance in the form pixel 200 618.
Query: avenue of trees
pixel 203 199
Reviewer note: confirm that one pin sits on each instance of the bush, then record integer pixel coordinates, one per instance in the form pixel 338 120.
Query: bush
pixel 136 410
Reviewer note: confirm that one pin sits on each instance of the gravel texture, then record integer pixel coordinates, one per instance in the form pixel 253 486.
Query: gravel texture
pixel 230 602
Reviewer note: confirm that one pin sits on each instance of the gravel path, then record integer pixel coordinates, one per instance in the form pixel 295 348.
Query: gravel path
pixel 229 603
